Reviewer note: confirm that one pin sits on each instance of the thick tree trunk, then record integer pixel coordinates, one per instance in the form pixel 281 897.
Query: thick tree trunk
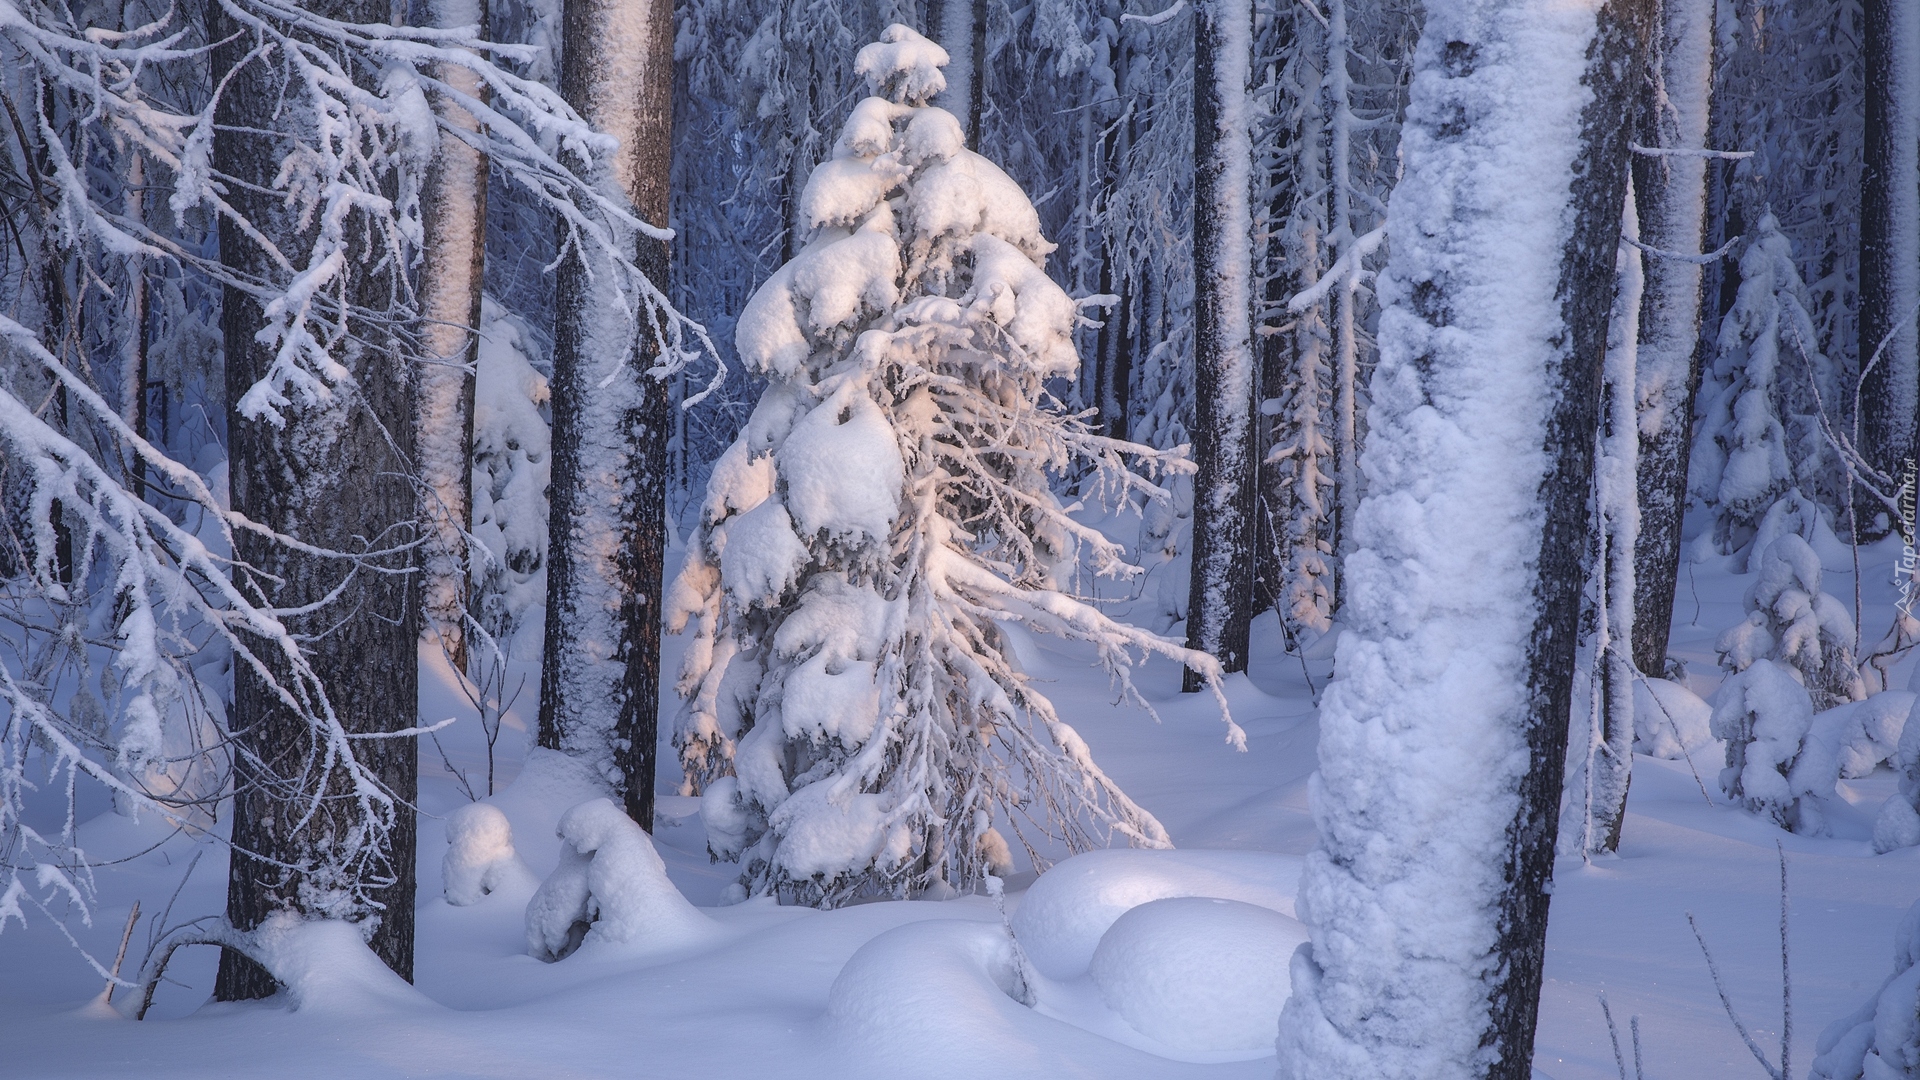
pixel 1220 603
pixel 1444 739
pixel 1670 195
pixel 454 203
pixel 1890 244
pixel 600 682
pixel 962 31
pixel 335 475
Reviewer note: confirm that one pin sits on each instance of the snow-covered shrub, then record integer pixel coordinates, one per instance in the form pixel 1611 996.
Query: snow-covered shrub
pixel 1669 720
pixel 1744 458
pixel 480 856
pixel 611 888
pixel 887 506
pixel 1881 1039
pixel 1899 822
pixel 1764 714
pixel 1199 973
pixel 1790 620
pixel 512 461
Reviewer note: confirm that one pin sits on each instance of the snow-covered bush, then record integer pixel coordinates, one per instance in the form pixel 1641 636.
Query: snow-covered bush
pixel 610 888
pixel 511 464
pixel 1881 1039
pixel 1744 457
pixel 1764 715
pixel 1899 822
pixel 887 506
pixel 1669 720
pixel 480 856
pixel 1790 620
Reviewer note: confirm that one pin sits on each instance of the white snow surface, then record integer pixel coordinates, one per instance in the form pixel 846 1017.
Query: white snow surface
pixel 892 989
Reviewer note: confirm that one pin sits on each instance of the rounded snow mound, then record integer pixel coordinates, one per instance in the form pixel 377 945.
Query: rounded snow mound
pixel 1199 973
pixel 1063 916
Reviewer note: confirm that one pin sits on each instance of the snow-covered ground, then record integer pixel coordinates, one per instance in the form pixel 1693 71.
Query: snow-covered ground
pixel 911 989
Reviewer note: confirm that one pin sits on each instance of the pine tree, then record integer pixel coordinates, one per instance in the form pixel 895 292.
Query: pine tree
pixel 1442 742
pixel 1220 604
pixel 454 212
pixel 1889 345
pixel 600 676
pixel 333 472
pixel 885 524
pixel 1670 199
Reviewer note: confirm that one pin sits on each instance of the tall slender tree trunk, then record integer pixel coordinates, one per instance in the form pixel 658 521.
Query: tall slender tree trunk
pixel 454 204
pixel 600 681
pixel 1890 242
pixel 962 30
pixel 1220 603
pixel 335 475
pixel 133 360
pixel 1443 741
pixel 1670 193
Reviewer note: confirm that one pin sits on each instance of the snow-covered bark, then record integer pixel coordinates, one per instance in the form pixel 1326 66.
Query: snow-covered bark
pixel 1444 737
pixel 1670 197
pixel 454 213
pixel 1889 346
pixel 1220 603
pixel 600 676
pixel 885 527
pixel 1295 518
pixel 1600 742
pixel 334 473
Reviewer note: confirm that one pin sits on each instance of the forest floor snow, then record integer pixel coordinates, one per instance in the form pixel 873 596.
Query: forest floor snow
pixel 933 989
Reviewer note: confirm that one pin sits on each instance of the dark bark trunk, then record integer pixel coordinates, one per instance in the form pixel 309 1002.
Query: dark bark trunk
pixel 1889 254
pixel 1220 599
pixel 336 476
pixel 1668 192
pixel 608 494
pixel 1614 65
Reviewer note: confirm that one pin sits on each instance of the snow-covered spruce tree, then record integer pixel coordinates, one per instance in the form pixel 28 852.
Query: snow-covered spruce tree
pixel 1600 741
pixel 453 204
pixel 1669 185
pixel 853 712
pixel 1889 345
pixel 1763 714
pixel 1443 740
pixel 1790 620
pixel 1220 601
pixel 1744 459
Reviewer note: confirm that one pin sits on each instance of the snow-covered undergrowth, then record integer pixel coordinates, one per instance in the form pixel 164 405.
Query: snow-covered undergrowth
pixel 922 988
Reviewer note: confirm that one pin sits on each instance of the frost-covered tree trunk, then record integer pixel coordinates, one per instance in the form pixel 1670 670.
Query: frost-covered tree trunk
pixel 600 679
pixel 1220 603
pixel 1443 741
pixel 963 33
pixel 454 206
pixel 1600 741
pixel 1890 240
pixel 334 473
pixel 1670 196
